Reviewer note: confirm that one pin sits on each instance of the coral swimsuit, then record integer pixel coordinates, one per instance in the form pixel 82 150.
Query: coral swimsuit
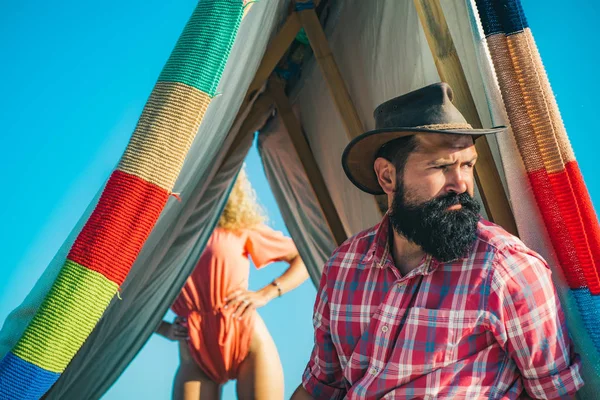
pixel 217 341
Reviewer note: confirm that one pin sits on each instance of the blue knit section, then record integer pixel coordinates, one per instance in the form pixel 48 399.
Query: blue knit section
pixel 589 308
pixel 22 380
pixel 501 16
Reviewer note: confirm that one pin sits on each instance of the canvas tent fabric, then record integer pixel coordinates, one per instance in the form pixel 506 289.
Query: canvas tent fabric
pixel 178 237
pixel 128 208
pixel 298 204
pixel 381 51
pixel 167 260
pixel 374 73
pixel 153 284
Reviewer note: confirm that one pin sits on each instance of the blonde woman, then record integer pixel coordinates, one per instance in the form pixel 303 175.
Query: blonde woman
pixel 221 336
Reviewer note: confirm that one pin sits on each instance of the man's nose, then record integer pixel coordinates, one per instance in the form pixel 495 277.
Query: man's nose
pixel 456 181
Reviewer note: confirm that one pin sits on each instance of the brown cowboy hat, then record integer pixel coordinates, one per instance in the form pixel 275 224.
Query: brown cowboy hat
pixel 426 110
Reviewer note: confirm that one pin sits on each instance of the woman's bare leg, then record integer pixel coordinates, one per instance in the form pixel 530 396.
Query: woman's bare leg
pixel 260 376
pixel 191 383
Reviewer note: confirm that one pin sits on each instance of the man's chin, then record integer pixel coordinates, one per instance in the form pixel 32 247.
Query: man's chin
pixel 451 255
pixel 448 245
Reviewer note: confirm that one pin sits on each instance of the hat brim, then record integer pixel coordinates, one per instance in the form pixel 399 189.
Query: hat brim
pixel 359 155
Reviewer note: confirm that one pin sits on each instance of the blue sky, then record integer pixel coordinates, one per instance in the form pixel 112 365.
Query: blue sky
pixel 76 77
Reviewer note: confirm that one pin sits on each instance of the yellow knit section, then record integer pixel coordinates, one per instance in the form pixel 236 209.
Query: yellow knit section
pixel 165 133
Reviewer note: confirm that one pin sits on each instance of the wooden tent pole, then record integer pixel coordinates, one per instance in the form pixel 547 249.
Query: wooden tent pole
pixel 275 51
pixel 333 78
pixel 291 123
pixel 450 70
pixel 260 107
pixel 335 82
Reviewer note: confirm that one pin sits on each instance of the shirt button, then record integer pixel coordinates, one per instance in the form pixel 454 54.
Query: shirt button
pixel 373 371
pixel 384 328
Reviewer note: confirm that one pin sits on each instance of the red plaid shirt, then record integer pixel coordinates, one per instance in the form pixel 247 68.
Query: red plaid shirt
pixel 486 326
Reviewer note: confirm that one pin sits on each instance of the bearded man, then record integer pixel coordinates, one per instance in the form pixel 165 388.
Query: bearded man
pixel 434 301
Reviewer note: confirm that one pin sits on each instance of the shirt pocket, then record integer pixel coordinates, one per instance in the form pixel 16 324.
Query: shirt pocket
pixel 431 339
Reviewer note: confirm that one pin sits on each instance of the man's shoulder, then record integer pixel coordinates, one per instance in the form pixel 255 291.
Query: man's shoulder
pixel 355 247
pixel 508 252
pixel 497 237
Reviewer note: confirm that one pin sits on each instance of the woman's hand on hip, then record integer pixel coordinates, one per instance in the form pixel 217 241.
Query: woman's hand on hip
pixel 244 302
pixel 175 331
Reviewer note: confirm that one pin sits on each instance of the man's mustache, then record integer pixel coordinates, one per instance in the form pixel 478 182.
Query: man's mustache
pixel 451 199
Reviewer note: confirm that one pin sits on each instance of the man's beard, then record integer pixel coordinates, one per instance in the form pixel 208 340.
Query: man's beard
pixel 445 234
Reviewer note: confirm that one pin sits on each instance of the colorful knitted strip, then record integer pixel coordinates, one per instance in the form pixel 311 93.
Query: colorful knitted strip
pixel 130 205
pixel 542 140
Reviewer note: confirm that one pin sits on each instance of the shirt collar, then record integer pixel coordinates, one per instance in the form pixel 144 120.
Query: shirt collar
pixel 379 252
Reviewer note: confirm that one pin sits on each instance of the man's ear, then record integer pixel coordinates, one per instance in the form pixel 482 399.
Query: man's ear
pixel 386 174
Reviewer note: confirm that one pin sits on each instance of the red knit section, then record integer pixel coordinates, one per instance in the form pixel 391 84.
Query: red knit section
pixel 557 229
pixel 117 229
pixel 586 209
pixel 567 203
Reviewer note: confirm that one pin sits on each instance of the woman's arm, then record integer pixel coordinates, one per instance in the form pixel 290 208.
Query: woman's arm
pixel 163 329
pixel 295 275
pixel 174 331
pixel 245 300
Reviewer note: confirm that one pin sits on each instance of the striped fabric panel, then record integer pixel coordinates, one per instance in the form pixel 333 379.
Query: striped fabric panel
pixel 116 231
pixel 525 131
pixel 66 318
pixel 584 200
pixel 130 205
pixel 164 133
pixel 537 127
pixel 540 134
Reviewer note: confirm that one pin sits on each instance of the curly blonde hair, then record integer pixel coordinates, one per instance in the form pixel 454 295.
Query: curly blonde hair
pixel 242 210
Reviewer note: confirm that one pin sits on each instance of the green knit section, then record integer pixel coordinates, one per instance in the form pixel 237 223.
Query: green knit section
pixel 65 319
pixel 202 51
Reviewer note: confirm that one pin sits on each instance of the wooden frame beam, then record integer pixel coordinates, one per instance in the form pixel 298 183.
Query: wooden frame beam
pixel 450 70
pixel 276 91
pixel 260 107
pixel 275 51
pixel 273 54
pixel 333 78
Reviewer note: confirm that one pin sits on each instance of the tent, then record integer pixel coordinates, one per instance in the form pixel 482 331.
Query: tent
pixel 306 75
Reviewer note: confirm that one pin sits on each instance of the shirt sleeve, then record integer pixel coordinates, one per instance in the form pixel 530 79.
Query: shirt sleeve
pixel 323 377
pixel 266 245
pixel 531 327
